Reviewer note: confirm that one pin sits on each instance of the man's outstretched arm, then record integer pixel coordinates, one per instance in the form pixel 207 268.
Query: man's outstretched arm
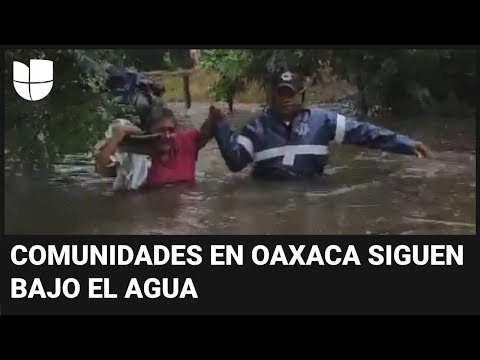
pixel 347 130
pixel 237 149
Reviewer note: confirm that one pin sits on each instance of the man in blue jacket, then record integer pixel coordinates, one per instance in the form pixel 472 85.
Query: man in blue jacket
pixel 290 141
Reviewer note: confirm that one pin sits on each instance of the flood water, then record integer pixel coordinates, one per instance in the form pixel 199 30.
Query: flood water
pixel 363 192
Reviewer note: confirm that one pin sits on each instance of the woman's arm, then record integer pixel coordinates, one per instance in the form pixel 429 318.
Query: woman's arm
pixel 207 130
pixel 206 133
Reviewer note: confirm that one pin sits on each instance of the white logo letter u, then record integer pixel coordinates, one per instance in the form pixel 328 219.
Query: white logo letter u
pixel 35 82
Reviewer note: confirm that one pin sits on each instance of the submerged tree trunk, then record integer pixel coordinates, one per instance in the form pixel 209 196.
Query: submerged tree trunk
pixel 362 106
pixel 231 91
pixel 186 91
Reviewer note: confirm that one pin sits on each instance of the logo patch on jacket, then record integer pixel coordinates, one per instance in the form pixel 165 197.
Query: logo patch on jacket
pixel 302 129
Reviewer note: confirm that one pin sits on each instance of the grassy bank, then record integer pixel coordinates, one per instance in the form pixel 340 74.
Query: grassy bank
pixel 201 82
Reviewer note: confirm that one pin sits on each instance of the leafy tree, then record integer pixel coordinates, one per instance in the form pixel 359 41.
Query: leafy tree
pixel 77 111
pixel 71 118
pixel 407 80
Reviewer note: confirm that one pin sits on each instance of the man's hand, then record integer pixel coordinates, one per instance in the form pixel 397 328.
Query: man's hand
pixel 422 151
pixel 215 114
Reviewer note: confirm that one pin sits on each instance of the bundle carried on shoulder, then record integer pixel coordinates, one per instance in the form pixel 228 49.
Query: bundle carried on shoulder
pixel 131 167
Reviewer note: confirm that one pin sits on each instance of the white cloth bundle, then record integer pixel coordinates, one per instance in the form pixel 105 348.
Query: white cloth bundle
pixel 132 169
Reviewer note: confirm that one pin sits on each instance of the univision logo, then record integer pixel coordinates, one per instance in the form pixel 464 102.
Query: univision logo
pixel 35 82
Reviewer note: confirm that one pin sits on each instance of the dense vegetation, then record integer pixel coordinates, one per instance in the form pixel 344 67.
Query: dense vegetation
pixel 70 121
pixel 76 113
pixel 409 81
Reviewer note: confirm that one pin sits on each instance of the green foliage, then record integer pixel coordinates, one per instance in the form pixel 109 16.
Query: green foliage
pixel 409 81
pixel 77 112
pixel 239 67
pixel 74 115
pixel 242 66
pixel 147 59
pixel 158 59
pixel 231 65
pixel 179 59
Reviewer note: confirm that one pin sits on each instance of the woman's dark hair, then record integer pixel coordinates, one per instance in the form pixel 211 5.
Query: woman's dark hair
pixel 155 114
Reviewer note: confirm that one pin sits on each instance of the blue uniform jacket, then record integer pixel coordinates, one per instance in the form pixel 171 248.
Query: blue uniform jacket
pixel 278 150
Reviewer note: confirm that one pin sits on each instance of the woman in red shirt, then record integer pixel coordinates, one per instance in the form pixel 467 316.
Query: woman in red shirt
pixel 174 154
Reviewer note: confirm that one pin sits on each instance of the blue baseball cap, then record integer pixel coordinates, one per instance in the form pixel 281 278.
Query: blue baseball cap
pixel 292 81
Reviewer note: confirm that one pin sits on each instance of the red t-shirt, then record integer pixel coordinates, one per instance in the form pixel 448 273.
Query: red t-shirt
pixel 181 167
